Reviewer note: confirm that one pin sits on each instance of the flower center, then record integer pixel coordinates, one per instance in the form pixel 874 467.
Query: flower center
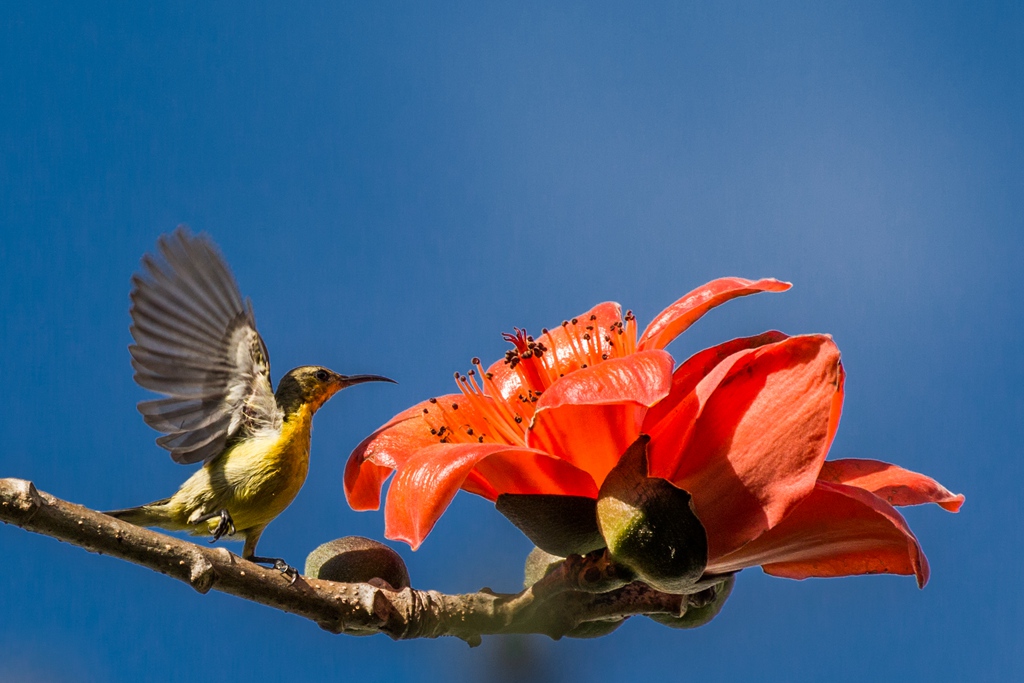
pixel 487 416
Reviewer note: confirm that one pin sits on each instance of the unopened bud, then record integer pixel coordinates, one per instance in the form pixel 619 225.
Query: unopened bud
pixel 354 559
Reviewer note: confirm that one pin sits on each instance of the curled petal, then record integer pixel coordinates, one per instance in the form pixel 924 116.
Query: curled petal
pixel 590 418
pixel 363 481
pixel 565 352
pixel 893 484
pixel 670 421
pixel 837 531
pixel 675 319
pixel 761 435
pixel 372 461
pixel 426 483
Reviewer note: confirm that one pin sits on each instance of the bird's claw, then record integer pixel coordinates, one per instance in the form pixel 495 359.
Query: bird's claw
pixel 291 572
pixel 280 565
pixel 225 527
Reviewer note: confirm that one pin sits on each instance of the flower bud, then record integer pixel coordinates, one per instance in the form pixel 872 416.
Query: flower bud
pixel 650 526
pixel 354 559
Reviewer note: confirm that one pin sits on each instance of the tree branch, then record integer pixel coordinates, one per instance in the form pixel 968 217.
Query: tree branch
pixel 554 606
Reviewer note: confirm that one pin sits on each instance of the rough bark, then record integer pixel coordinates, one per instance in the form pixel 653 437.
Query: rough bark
pixel 553 606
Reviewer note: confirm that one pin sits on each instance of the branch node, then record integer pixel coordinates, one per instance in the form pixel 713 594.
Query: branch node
pixel 201 574
pixel 25 502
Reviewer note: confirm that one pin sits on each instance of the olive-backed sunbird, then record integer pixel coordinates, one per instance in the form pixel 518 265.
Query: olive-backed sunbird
pixel 196 343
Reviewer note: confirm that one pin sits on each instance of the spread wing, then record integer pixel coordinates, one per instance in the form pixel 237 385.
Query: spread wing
pixel 196 343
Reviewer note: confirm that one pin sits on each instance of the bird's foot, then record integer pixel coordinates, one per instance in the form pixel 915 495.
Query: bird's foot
pixel 225 527
pixel 280 565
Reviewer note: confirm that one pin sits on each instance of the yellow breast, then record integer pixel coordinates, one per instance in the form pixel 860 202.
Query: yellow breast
pixel 256 479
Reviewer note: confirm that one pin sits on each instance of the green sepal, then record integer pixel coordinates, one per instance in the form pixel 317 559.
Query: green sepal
pixel 538 565
pixel 354 559
pixel 695 616
pixel 560 525
pixel 595 629
pixel 650 526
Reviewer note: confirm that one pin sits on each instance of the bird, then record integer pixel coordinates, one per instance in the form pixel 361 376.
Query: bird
pixel 196 343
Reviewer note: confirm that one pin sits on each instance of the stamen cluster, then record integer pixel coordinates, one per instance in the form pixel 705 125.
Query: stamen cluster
pixel 535 364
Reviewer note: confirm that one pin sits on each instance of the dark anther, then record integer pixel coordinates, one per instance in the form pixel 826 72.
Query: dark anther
pixel 604 356
pixel 475 361
pixel 583 366
pixel 433 400
pixel 480 439
pixel 425 411
pixel 455 406
pixel 470 431
pixel 574 320
pixel 519 419
pixel 433 431
pixel 543 330
pixel 490 375
pixel 586 335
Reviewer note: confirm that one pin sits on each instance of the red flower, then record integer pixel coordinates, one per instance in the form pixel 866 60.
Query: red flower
pixel 743 426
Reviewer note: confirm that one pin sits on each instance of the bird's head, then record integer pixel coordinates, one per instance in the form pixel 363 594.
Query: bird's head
pixel 312 385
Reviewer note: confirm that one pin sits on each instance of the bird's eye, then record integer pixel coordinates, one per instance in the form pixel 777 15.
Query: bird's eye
pixel 322 375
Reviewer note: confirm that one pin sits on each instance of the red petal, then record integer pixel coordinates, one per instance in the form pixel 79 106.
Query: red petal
pixel 363 481
pixel 590 418
pixel 669 422
pixel 837 531
pixel 560 348
pixel 389 447
pixel 893 484
pixel 675 319
pixel 425 485
pixel 762 434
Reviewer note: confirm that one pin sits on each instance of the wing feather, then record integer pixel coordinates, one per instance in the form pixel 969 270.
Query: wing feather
pixel 196 343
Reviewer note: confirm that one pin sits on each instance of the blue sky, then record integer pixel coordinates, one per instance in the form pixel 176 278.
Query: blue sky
pixel 394 185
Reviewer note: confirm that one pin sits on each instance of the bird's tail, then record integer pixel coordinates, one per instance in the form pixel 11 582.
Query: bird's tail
pixel 151 514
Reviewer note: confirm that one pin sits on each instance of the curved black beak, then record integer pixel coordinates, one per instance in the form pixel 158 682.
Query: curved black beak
pixel 349 380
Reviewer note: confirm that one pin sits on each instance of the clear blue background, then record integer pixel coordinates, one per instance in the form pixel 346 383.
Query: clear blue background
pixel 395 185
